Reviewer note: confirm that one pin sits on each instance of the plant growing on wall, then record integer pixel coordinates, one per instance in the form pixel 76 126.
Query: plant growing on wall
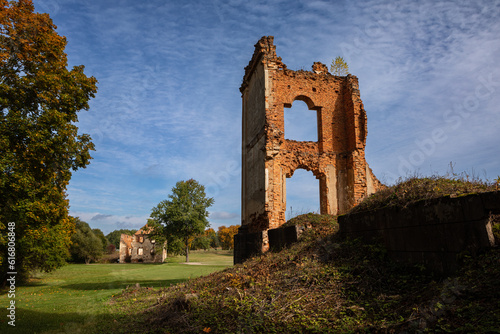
pixel 339 67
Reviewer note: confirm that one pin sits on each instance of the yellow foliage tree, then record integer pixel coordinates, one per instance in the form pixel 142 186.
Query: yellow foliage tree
pixel 226 236
pixel 339 67
pixel 39 142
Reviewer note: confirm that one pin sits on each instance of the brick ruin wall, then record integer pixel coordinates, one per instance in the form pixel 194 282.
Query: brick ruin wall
pixel 139 248
pixel 337 159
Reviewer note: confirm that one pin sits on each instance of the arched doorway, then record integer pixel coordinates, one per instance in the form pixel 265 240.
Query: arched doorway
pixel 302 194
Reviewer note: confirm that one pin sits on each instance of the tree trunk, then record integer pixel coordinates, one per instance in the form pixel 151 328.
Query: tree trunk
pixel 187 250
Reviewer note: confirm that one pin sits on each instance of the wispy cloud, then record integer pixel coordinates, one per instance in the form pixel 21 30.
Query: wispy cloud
pixel 169 107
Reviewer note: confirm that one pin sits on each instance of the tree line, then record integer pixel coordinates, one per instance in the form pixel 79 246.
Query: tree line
pixel 91 245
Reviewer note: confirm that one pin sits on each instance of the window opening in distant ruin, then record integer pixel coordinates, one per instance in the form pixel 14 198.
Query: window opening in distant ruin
pixel 302 194
pixel 140 251
pixel 301 124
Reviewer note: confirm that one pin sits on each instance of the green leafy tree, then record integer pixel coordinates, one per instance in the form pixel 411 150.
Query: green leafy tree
pixel 339 67
pixel 185 214
pixel 201 241
pixel 114 237
pixel 173 244
pixel 86 245
pixel 101 236
pixel 39 141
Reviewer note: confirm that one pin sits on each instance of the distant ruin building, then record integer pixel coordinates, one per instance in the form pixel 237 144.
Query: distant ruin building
pixel 139 248
pixel 337 159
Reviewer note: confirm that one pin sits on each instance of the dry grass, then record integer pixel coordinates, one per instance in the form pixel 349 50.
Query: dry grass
pixel 322 285
pixel 415 188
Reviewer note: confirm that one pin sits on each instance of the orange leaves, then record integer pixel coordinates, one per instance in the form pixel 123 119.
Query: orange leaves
pixel 226 236
pixel 38 139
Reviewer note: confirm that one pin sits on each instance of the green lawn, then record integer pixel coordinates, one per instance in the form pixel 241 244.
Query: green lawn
pixel 75 298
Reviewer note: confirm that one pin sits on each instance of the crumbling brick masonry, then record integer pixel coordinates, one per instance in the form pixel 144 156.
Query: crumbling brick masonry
pixel 140 248
pixel 337 159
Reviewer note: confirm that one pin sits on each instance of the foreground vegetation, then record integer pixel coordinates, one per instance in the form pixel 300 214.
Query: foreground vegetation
pixel 325 284
pixel 76 297
pixel 321 285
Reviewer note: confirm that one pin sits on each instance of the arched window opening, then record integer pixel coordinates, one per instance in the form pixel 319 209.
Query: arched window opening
pixel 301 124
pixel 302 194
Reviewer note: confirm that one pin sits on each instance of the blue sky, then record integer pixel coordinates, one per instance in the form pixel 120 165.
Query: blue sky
pixel 168 106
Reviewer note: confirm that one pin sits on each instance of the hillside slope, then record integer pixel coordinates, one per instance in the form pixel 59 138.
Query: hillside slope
pixel 321 285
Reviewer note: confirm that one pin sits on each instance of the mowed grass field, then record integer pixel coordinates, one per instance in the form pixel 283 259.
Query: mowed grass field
pixel 74 299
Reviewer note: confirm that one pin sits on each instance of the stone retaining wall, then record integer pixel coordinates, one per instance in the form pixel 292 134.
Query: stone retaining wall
pixel 432 232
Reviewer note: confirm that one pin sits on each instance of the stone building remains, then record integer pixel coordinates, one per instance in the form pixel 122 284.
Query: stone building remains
pixel 139 248
pixel 337 159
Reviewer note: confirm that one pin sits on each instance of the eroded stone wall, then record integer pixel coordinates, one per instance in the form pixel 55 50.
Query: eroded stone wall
pixel 337 159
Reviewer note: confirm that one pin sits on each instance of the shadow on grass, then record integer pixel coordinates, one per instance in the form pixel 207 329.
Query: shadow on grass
pixel 229 254
pixel 28 321
pixel 122 284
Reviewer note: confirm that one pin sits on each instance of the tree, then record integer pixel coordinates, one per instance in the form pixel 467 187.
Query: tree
pixel 214 239
pixel 101 236
pixel 86 245
pixel 110 249
pixel 114 237
pixel 39 141
pixel 173 244
pixel 226 236
pixel 185 214
pixel 339 67
pixel 200 241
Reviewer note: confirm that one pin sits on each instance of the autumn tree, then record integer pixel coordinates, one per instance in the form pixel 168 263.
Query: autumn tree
pixel 86 244
pixel 339 67
pixel 184 214
pixel 39 141
pixel 226 236
pixel 214 239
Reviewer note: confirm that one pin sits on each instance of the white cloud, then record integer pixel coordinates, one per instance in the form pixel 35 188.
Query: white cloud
pixel 108 223
pixel 221 215
pixel 169 107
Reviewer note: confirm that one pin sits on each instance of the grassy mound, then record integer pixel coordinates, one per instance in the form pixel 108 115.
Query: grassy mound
pixel 413 189
pixel 320 285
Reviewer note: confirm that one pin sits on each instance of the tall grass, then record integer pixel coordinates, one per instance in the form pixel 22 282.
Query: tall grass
pixel 417 188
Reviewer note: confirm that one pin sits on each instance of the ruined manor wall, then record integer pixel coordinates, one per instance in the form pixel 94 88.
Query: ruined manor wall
pixel 337 159
pixel 139 248
pixel 253 146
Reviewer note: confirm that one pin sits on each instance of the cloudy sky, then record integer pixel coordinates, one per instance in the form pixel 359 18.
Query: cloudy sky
pixel 169 107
